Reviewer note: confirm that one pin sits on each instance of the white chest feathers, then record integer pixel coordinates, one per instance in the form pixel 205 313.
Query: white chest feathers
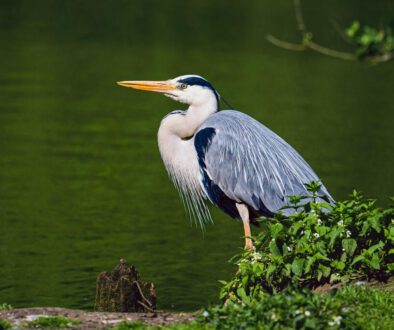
pixel 180 159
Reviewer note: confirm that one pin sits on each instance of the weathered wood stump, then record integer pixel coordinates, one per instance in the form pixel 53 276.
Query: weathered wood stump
pixel 122 290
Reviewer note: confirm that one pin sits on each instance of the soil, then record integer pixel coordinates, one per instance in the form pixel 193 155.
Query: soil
pixel 92 320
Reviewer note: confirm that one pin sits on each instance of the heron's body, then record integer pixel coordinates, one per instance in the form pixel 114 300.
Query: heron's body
pixel 225 157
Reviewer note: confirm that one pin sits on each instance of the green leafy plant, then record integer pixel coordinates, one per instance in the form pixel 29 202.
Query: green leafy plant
pixel 351 307
pixel 318 244
pixel 142 326
pixel 53 322
pixel 5 307
pixel 371 42
pixel 4 325
pixel 129 325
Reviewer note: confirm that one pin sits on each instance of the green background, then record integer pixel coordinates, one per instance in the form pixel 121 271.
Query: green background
pixel 81 180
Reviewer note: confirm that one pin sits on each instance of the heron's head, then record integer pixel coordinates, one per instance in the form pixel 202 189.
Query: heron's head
pixel 189 89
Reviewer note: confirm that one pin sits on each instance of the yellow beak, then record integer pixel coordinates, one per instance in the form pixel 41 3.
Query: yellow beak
pixel 153 86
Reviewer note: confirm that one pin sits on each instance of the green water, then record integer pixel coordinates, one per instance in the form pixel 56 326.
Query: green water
pixel 81 180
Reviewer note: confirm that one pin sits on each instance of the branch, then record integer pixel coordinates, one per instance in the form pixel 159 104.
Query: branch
pixel 299 16
pixel 307 42
pixel 331 52
pixel 147 307
pixel 311 45
pixel 284 44
pixel 141 293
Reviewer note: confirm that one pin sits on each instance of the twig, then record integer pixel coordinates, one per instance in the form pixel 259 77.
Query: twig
pixel 382 58
pixel 331 52
pixel 284 44
pixel 307 42
pixel 142 295
pixel 299 16
pixel 147 307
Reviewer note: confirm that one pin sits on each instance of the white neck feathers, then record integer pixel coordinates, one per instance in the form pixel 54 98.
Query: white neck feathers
pixel 176 144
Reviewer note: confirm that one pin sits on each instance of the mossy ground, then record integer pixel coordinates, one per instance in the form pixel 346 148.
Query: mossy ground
pixel 350 307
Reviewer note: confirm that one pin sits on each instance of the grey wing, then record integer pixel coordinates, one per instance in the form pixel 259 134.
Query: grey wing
pixel 253 165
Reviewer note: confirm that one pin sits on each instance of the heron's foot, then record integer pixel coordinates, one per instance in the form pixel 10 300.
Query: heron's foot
pixel 248 244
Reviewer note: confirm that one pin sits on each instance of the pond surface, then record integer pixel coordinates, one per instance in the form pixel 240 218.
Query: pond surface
pixel 81 180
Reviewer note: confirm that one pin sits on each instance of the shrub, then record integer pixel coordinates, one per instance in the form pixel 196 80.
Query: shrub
pixel 371 41
pixel 4 325
pixel 351 307
pixel 142 326
pixel 53 322
pixel 316 245
pixel 5 307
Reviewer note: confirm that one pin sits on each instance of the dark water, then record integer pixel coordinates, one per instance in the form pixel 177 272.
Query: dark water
pixel 81 180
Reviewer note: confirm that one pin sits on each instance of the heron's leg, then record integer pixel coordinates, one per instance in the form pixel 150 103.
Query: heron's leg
pixel 244 213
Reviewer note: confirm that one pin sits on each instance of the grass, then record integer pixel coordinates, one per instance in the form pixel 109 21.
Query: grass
pixel 5 307
pixel 52 322
pixel 351 307
pixel 4 325
pixel 141 326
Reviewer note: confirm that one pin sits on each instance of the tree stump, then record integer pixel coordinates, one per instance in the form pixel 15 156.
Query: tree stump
pixel 122 290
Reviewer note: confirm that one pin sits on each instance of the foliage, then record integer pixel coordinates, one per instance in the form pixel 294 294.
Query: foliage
pixel 352 307
pixel 129 325
pixel 318 244
pixel 202 325
pixel 5 307
pixel 52 322
pixel 4 325
pixel 371 42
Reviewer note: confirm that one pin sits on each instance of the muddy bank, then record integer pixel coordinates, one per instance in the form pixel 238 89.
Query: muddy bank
pixel 93 320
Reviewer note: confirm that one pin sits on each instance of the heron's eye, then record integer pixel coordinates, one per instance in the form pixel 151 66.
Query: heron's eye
pixel 182 86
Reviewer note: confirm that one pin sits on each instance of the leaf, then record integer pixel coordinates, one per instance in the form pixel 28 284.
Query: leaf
pixel 271 268
pixel 334 234
pixel 309 264
pixel 338 264
pixel 297 226
pixel 242 295
pixel 366 226
pixel 276 229
pixel 375 223
pixel 358 259
pixel 245 281
pixel 297 266
pixel 374 262
pixel 349 245
pixel 320 256
pixel 319 275
pixel 334 278
pixel 257 269
pixel 274 249
pixel 375 247
pixel 325 270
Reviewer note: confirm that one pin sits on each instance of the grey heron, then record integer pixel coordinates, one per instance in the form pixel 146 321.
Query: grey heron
pixel 225 157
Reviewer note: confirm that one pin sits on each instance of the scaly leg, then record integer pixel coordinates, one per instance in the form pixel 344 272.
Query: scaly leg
pixel 244 213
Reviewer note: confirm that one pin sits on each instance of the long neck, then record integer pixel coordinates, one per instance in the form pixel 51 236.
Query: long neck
pixel 187 124
pixel 176 137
